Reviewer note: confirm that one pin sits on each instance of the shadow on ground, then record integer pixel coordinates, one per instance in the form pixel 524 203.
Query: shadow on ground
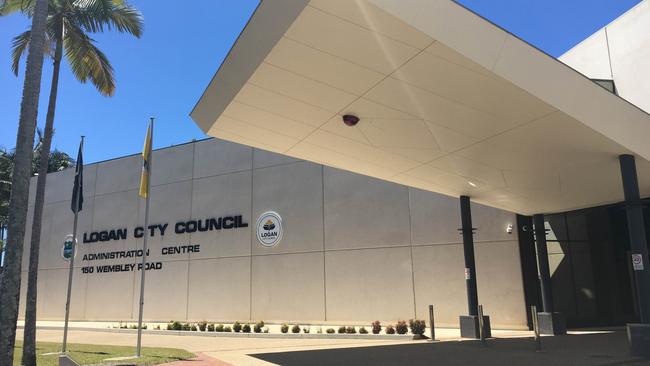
pixel 586 349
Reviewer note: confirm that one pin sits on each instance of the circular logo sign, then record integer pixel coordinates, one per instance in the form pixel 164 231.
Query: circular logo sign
pixel 66 250
pixel 269 228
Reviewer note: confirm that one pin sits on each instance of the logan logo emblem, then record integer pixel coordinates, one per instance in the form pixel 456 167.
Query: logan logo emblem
pixel 269 225
pixel 66 249
pixel 269 229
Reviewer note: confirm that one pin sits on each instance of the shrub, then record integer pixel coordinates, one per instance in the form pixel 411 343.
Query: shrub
pixel 363 330
pixel 284 328
pixel 265 329
pixel 186 326
pixel 376 327
pixel 320 330
pixel 341 330
pixel 401 327
pixel 170 326
pixel 227 329
pixel 351 330
pixel 202 325
pixel 390 330
pixel 306 330
pixel 246 328
pixel 257 328
pixel 330 331
pixel 177 326
pixel 295 329
pixel 157 327
pixel 417 326
pixel 236 327
pixel 210 327
pixel 133 326
pixel 218 328
pixel 193 328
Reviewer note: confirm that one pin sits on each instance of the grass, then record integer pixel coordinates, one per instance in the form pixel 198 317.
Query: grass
pixel 91 354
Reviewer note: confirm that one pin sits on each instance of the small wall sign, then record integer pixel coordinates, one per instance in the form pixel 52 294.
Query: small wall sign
pixel 66 250
pixel 269 229
pixel 637 262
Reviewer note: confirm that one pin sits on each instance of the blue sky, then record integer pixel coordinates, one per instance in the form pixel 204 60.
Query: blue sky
pixel 164 73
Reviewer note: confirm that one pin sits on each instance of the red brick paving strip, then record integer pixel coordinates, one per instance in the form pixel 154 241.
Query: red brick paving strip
pixel 199 360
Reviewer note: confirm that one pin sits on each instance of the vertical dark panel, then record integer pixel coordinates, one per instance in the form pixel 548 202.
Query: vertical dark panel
pixel 528 265
pixel 542 262
pixel 562 278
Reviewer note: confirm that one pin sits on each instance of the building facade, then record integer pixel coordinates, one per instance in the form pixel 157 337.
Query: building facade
pixel 353 248
pixel 355 232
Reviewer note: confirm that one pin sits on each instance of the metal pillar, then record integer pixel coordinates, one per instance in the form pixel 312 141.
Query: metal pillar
pixel 638 335
pixel 548 321
pixel 542 260
pixel 468 249
pixel 471 326
pixel 636 229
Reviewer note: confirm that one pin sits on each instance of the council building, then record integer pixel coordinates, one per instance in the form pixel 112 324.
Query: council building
pixel 372 158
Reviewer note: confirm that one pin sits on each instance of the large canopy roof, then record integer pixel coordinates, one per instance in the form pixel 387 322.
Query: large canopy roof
pixel 448 103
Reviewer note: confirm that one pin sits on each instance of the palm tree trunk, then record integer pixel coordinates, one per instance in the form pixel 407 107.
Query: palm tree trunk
pixel 10 284
pixel 29 337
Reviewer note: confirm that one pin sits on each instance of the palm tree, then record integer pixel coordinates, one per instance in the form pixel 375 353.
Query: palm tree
pixel 6 168
pixel 10 281
pixel 68 25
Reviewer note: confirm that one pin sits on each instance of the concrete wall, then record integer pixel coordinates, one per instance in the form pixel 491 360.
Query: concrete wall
pixel 619 51
pixel 355 249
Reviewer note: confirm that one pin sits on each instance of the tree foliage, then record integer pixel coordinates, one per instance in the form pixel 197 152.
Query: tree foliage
pixel 79 18
pixel 58 160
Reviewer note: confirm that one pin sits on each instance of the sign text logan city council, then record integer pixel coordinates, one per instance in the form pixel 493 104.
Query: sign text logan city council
pixel 180 227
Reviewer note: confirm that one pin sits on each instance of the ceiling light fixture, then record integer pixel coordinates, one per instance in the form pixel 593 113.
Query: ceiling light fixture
pixel 350 120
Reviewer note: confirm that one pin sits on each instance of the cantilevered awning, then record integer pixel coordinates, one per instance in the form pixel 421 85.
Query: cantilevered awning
pixel 448 103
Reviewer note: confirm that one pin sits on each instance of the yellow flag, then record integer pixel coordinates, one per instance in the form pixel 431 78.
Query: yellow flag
pixel 146 154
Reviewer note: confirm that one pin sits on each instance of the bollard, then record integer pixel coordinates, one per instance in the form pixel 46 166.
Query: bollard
pixel 481 326
pixel 432 324
pixel 538 338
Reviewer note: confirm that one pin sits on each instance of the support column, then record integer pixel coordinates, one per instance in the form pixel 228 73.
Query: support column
pixel 638 334
pixel 550 322
pixel 469 324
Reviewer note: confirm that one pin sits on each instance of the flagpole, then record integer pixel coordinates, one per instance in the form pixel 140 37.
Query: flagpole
pixel 74 243
pixel 146 235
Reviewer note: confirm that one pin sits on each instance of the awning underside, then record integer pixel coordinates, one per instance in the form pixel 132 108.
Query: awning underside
pixel 473 123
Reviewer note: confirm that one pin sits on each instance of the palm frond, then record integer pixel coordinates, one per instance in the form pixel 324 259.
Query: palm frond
pixel 98 15
pixel 87 61
pixel 19 45
pixel 8 7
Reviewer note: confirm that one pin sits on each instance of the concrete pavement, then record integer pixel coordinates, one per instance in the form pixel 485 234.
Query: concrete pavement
pixel 510 347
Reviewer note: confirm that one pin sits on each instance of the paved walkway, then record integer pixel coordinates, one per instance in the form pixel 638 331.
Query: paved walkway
pixel 510 348
pixel 233 351
pixel 200 360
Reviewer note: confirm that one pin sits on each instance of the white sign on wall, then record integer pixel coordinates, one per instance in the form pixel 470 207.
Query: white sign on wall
pixel 66 249
pixel 269 228
pixel 637 262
